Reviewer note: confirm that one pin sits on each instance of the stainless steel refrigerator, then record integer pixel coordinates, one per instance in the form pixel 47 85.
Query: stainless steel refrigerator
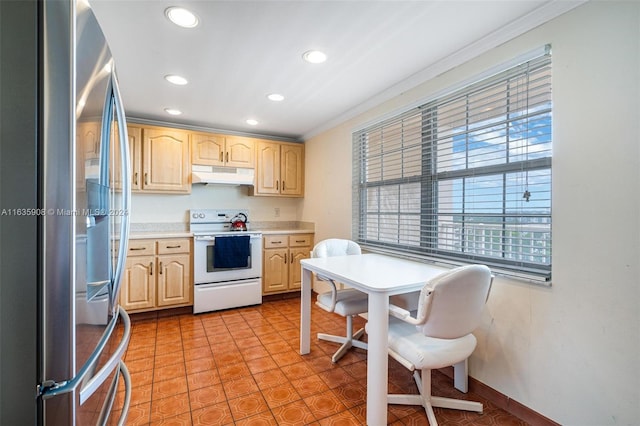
pixel 65 194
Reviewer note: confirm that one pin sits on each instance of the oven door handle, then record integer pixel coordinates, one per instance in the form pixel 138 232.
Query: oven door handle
pixel 213 238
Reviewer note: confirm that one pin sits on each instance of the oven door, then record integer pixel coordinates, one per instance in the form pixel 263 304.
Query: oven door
pixel 206 270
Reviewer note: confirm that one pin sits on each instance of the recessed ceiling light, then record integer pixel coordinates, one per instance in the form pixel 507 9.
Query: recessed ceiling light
pixel 181 17
pixel 314 56
pixel 176 79
pixel 173 111
pixel 252 122
pixel 276 97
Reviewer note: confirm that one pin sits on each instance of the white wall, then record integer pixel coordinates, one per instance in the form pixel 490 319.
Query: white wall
pixel 571 352
pixel 157 208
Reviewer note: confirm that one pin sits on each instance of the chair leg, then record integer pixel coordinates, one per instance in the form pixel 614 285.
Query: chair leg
pixel 423 381
pixel 355 337
pixel 347 342
pixel 461 376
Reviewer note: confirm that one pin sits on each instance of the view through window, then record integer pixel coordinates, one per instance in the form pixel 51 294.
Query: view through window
pixel 465 177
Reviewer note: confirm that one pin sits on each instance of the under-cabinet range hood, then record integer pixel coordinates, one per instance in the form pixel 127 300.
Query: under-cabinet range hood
pixel 222 175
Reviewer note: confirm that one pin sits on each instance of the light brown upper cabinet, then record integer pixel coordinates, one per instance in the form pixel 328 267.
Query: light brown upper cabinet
pixel 134 134
pixel 135 156
pixel 159 159
pixel 279 169
pixel 220 150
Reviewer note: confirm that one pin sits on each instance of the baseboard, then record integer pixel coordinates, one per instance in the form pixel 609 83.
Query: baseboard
pixel 280 296
pixel 502 401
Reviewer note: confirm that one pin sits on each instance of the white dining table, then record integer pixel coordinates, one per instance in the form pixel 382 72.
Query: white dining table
pixel 380 276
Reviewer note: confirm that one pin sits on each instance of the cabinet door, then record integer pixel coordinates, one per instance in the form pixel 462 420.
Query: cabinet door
pixel 174 279
pixel 268 168
pixel 138 283
pixel 240 152
pixel 275 270
pixel 295 275
pixel 135 149
pixel 292 170
pixel 165 160
pixel 207 149
pixel 135 152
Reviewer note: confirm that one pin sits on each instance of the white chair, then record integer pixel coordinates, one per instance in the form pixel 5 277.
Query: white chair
pixel 345 302
pixel 450 308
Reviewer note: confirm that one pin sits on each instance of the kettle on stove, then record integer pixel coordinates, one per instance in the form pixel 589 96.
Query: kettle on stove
pixel 239 222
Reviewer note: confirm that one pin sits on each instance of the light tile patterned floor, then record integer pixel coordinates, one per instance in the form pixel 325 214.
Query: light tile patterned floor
pixel 242 367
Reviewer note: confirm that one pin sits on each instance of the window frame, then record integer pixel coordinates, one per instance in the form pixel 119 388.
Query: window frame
pixel 428 249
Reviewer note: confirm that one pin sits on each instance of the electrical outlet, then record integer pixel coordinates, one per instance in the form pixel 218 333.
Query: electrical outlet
pixel 276 212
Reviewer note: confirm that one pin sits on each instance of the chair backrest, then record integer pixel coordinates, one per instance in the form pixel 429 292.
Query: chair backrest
pixel 453 302
pixel 335 247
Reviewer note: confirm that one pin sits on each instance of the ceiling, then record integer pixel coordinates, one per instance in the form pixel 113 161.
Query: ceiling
pixel 243 50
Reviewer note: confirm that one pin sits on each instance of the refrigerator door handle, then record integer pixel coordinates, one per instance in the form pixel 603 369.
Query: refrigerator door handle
pixel 126 188
pixel 97 379
pixel 108 403
pixel 51 388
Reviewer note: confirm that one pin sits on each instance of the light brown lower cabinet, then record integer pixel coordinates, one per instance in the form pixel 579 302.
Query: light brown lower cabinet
pixel 157 275
pixel 281 261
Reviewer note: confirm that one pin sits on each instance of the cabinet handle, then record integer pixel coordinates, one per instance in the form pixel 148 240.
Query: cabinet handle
pixel 170 247
pixel 285 259
pixel 151 268
pixel 160 268
pixel 146 179
pixel 291 261
pixel 283 185
pixel 300 241
pixel 137 248
pixel 227 156
pixel 277 185
pixel 276 242
pixel 135 178
pixel 221 156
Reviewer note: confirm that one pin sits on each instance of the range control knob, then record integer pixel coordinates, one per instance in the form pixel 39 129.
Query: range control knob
pixel 201 215
pixel 194 215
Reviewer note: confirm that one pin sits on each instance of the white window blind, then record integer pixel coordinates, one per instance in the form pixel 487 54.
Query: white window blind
pixel 463 178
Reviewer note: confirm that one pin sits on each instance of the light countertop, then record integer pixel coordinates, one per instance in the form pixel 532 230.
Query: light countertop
pixel 181 230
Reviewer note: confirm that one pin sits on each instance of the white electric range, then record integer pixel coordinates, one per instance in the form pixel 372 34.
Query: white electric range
pixel 227 263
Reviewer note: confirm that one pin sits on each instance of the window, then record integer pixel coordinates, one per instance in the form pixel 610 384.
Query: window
pixel 465 177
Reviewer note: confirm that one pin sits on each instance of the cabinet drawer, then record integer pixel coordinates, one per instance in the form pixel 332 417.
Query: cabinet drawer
pixel 141 247
pixel 167 246
pixel 300 240
pixel 275 241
